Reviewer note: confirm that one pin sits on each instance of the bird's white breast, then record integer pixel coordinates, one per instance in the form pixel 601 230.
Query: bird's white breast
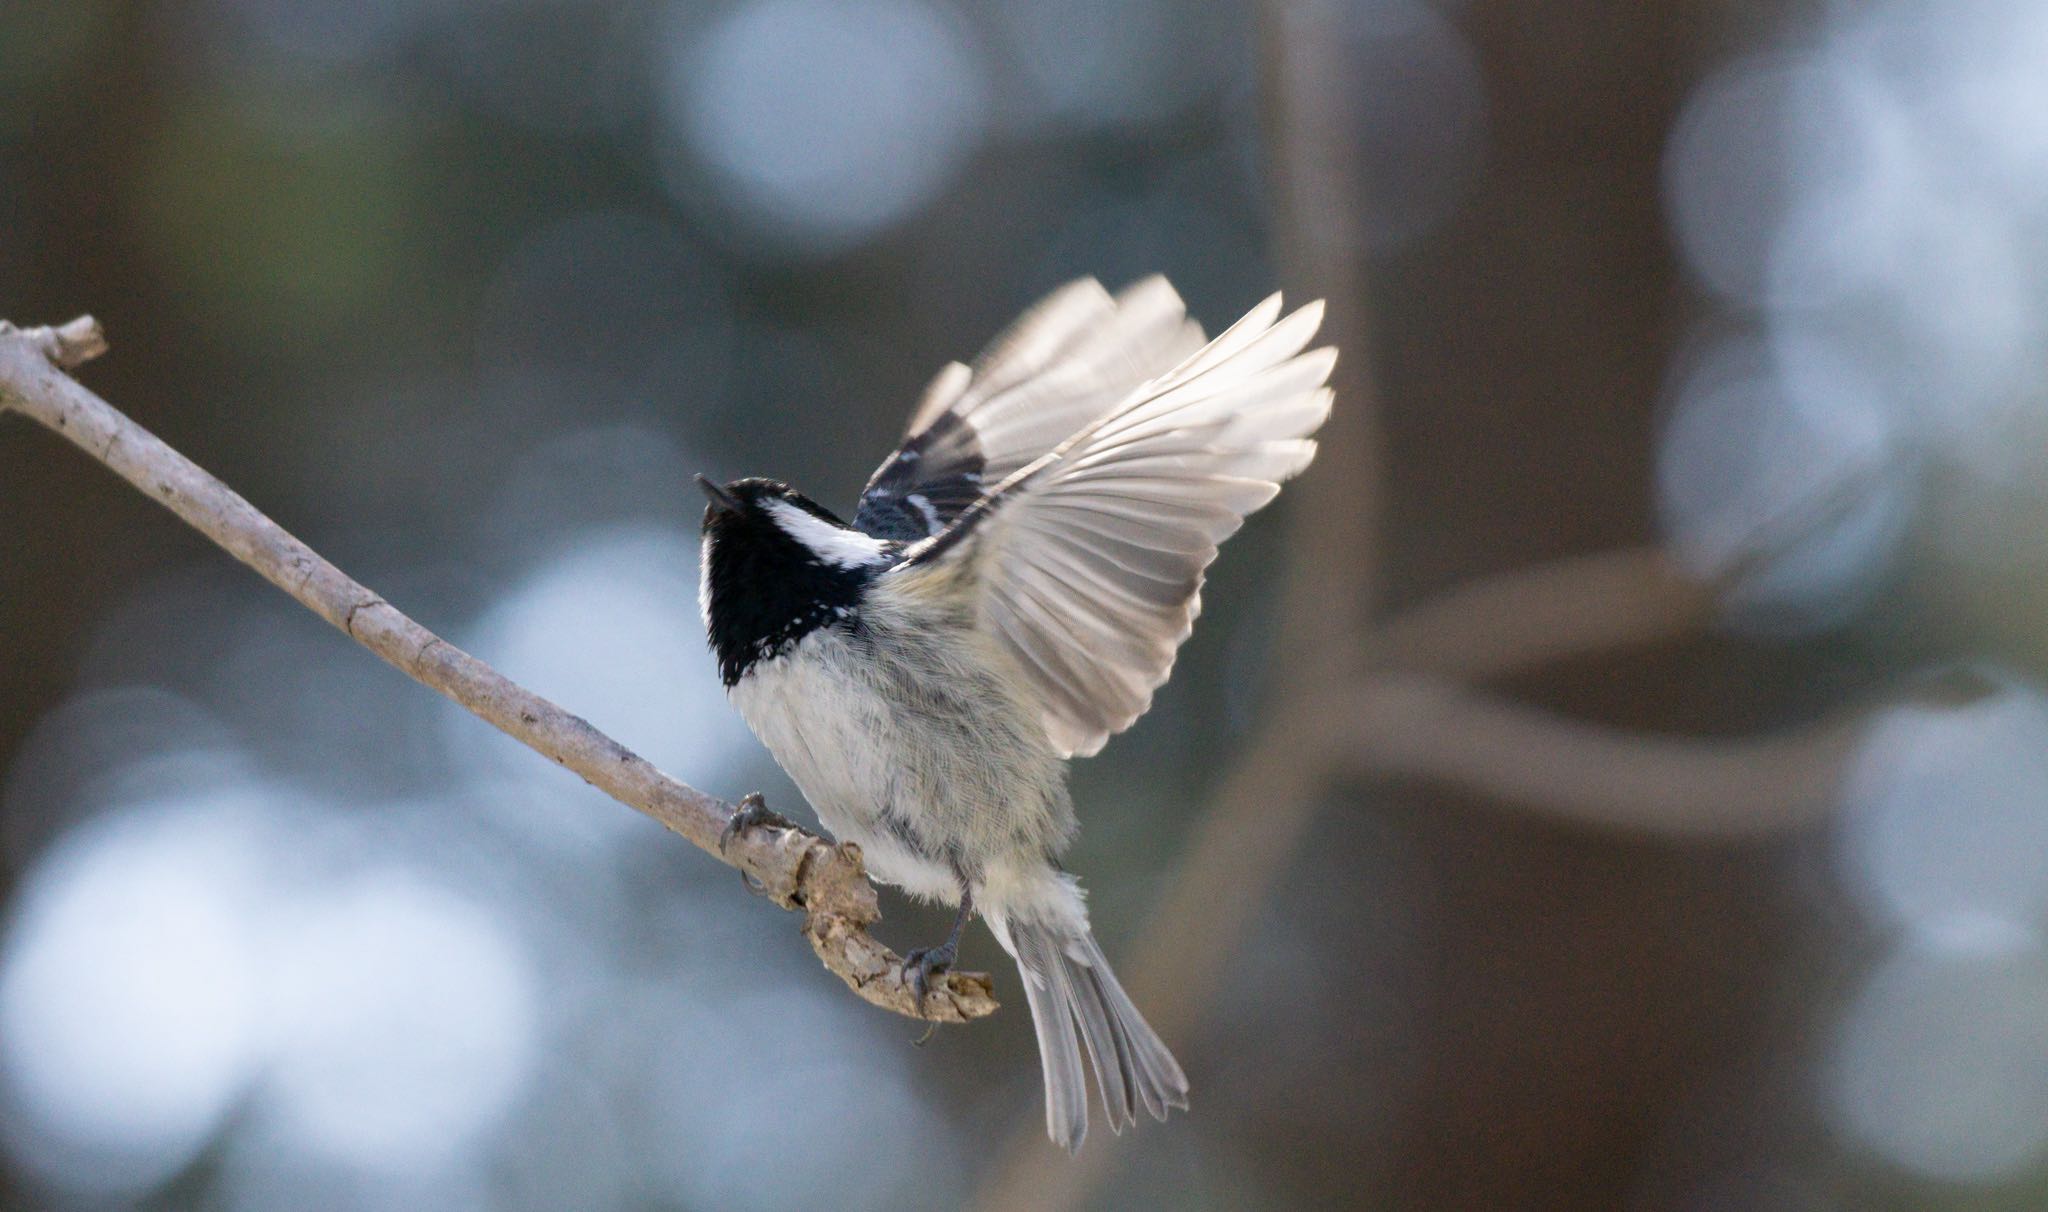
pixel 910 735
pixel 818 712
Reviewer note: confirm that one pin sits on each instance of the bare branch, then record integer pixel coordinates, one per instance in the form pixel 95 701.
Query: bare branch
pixel 1685 789
pixel 1517 621
pixel 798 870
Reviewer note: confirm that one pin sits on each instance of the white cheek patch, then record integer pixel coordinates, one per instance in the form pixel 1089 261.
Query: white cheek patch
pixel 834 545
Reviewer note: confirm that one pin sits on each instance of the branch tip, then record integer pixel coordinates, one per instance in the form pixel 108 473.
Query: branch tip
pixel 78 342
pixel 67 346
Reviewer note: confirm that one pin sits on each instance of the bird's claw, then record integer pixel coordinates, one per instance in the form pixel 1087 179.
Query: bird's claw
pixel 752 812
pixel 924 963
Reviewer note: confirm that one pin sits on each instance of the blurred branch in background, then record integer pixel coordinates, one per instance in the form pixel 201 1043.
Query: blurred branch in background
pixel 1681 789
pixel 1521 620
pixel 1394 722
pixel 796 869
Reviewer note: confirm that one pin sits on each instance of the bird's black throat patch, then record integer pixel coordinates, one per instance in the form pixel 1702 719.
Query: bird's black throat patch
pixel 766 590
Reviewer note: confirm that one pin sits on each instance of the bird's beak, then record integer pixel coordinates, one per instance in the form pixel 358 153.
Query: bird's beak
pixel 720 498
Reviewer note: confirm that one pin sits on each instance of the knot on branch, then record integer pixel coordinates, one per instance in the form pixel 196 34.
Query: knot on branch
pixel 878 975
pixel 828 884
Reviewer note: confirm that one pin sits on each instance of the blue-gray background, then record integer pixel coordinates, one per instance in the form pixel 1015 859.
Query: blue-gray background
pixel 463 292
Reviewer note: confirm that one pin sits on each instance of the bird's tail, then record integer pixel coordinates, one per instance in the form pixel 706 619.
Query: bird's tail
pixel 1075 1002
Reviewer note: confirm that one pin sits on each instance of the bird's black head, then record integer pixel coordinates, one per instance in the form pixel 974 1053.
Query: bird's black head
pixel 748 500
pixel 776 567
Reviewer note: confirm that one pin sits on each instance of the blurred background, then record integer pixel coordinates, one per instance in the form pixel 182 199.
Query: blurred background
pixel 1746 296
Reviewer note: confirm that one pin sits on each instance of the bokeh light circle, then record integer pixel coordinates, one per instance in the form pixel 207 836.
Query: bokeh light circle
pixel 824 122
pixel 1938 1066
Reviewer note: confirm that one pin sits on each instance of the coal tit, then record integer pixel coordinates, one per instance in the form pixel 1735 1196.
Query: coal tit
pixel 1014 585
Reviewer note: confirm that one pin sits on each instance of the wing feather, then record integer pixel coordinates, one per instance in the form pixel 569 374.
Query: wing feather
pixel 1092 546
pixel 1060 367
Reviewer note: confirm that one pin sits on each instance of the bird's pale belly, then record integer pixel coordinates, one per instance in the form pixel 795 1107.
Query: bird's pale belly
pixel 933 775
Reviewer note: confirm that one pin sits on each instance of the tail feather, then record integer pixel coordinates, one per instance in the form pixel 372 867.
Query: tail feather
pixel 1154 1075
pixel 1108 1054
pixel 1066 1090
pixel 1069 985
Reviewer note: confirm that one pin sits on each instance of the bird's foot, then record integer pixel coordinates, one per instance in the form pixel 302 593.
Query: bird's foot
pixel 752 812
pixel 924 963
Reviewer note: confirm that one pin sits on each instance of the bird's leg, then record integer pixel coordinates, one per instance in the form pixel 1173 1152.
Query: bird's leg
pixel 926 962
pixel 752 812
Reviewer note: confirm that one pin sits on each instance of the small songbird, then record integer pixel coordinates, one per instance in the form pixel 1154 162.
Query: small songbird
pixel 1013 588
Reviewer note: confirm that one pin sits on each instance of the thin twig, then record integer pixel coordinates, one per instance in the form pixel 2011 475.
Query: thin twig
pixel 796 869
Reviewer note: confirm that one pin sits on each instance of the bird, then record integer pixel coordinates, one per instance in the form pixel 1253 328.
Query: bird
pixel 1014 585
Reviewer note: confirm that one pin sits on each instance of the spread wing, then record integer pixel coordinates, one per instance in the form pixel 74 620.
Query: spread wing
pixel 1091 556
pixel 1060 366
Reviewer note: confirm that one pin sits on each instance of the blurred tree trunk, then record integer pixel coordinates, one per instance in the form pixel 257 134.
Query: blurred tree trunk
pixel 1576 990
